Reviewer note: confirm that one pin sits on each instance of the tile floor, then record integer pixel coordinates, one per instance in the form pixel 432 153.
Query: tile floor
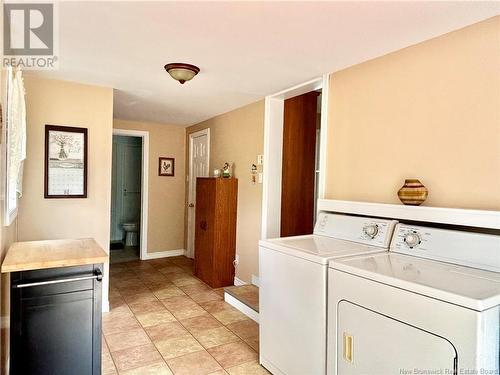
pixel 163 320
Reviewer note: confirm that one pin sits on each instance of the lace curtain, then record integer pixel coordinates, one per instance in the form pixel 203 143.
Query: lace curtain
pixel 16 140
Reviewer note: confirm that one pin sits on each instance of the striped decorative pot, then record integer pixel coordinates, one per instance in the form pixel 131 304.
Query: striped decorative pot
pixel 413 193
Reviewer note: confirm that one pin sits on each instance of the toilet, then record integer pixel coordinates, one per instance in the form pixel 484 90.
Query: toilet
pixel 131 233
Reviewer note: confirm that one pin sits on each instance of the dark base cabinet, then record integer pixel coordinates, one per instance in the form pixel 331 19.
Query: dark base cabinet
pixel 56 321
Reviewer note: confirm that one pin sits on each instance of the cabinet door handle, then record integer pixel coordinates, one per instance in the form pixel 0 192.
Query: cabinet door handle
pixel 348 347
pixel 97 276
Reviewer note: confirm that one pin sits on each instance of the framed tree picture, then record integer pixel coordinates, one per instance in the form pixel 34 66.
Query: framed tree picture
pixel 65 162
pixel 166 167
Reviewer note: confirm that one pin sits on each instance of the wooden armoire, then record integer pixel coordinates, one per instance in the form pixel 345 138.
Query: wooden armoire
pixel 215 230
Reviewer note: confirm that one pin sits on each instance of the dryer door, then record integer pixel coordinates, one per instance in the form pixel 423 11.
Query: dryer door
pixel 371 343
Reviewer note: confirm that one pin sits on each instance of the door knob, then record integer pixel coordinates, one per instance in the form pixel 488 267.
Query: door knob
pixel 191 205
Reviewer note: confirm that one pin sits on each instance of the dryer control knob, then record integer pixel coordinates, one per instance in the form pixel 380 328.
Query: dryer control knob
pixel 412 239
pixel 371 230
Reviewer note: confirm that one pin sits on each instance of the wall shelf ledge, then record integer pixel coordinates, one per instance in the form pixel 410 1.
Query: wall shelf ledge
pixel 452 216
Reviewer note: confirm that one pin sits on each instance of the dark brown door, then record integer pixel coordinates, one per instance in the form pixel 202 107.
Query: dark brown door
pixel 299 155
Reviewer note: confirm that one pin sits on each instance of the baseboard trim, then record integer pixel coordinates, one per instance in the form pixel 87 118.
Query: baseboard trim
pixel 255 280
pixel 252 314
pixel 164 254
pixel 238 282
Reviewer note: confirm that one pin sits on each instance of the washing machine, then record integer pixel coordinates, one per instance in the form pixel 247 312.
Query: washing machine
pixel 293 288
pixel 428 306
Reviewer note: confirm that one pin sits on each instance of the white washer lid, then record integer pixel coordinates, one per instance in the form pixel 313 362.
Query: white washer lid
pixel 465 286
pixel 318 249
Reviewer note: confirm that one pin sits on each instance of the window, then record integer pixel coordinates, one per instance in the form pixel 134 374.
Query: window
pixel 14 146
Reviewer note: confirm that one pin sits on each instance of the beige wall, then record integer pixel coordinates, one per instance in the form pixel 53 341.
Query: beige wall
pixel 430 111
pixel 238 137
pixel 67 103
pixel 166 194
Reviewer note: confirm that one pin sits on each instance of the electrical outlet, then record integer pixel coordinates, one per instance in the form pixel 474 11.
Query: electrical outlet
pixel 260 159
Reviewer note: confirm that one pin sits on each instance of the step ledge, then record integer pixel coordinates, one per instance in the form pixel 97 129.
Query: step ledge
pixel 237 304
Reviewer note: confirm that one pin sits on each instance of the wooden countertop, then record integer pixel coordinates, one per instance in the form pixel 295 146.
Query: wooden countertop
pixel 33 255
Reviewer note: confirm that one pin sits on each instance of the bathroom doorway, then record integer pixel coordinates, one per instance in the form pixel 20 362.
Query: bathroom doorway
pixel 127 197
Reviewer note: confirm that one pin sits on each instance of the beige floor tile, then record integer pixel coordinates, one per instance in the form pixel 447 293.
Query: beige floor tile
pixel 137 356
pixel 104 346
pixel 233 354
pixel 253 342
pixel 219 291
pixel 216 306
pixel 166 331
pixel 200 323
pixel 188 312
pixel 215 336
pixel 244 328
pixel 168 292
pixel 248 368
pixel 154 369
pixel 177 302
pixel 229 316
pixel 145 296
pixel 138 289
pixel 219 372
pixel 154 318
pixel 145 307
pixel 120 324
pixel 195 288
pixel 115 312
pixel 126 283
pixel 113 292
pixel 184 280
pixel 153 286
pixel 178 346
pixel 183 307
pixel 199 363
pixel 170 269
pixel 206 296
pixel 107 364
pixel 125 340
pixel 116 301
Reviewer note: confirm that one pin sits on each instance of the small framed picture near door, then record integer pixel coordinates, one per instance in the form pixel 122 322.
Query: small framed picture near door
pixel 166 167
pixel 65 162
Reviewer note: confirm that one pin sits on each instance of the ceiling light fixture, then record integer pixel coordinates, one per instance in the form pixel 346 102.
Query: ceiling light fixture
pixel 182 72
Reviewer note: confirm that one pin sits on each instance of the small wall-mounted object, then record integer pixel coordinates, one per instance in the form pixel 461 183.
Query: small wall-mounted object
pixel 166 167
pixel 413 192
pixel 260 159
pixel 253 174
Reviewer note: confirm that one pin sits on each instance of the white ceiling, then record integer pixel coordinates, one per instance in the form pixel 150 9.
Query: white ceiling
pixel 245 50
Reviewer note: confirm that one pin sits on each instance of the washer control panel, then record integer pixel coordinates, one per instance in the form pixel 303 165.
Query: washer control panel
pixel 370 231
pixel 476 250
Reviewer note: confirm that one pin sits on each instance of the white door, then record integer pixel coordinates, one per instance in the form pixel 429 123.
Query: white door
pixel 371 343
pixel 199 157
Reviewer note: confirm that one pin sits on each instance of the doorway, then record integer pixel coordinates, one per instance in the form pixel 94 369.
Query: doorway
pixel 301 138
pixel 129 189
pixel 199 164
pixel 274 180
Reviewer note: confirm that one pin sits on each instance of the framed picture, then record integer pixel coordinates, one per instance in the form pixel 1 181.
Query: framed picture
pixel 65 162
pixel 166 167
